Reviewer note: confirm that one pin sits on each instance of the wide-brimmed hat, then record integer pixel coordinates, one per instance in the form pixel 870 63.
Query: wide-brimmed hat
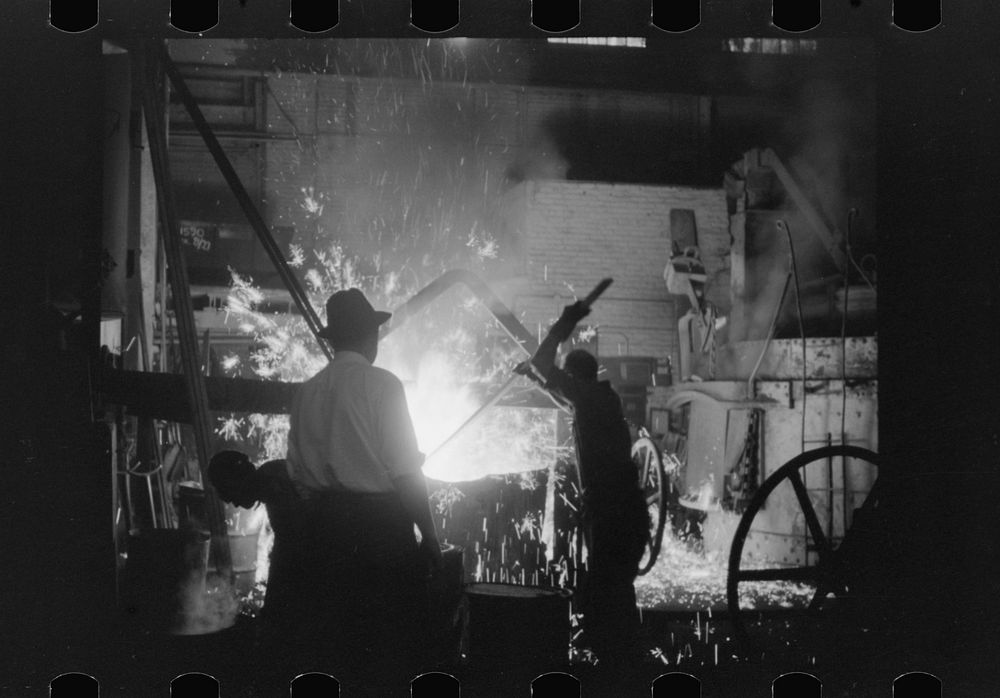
pixel 350 315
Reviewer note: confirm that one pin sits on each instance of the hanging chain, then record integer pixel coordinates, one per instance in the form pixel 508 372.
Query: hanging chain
pixel 744 479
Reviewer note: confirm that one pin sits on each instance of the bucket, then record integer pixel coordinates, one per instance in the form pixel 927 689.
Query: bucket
pixel 164 570
pixel 517 625
pixel 243 548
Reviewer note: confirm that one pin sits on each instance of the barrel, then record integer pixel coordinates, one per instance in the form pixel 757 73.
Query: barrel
pixel 511 624
pixel 165 569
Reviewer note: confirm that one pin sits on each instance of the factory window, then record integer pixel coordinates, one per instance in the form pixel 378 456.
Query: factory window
pixel 626 41
pixel 683 230
pixel 771 46
pixel 229 103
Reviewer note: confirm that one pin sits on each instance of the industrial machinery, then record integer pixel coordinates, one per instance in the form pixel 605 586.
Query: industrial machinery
pixel 771 432
pixel 657 487
pixel 762 381
pixel 833 563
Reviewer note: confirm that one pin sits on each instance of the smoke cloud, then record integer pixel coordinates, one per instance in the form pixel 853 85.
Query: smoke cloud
pixel 827 142
pixel 205 607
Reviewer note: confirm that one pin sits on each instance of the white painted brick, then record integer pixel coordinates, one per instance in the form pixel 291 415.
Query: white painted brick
pixel 582 231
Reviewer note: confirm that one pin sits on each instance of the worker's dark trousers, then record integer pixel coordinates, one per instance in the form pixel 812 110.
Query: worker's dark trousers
pixel 610 616
pixel 371 594
pixel 617 530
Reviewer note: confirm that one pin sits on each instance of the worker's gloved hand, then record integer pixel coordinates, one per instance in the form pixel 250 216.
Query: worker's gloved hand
pixel 575 312
pixel 523 368
pixel 571 315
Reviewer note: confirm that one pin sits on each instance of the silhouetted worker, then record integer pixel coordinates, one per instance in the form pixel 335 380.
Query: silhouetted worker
pixel 615 520
pixel 239 482
pixel 353 458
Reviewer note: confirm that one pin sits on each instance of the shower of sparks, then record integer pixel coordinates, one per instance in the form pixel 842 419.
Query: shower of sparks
pixel 312 202
pixel 587 333
pixel 420 191
pixel 685 577
pixel 450 362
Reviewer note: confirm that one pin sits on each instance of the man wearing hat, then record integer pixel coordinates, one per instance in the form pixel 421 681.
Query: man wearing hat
pixel 354 461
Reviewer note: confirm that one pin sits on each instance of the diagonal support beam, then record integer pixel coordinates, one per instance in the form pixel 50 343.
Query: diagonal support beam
pixel 243 199
pixel 153 107
pixel 830 239
pixel 429 293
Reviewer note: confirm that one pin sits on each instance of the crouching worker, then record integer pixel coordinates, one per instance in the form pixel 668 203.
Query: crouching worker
pixel 614 515
pixel 238 482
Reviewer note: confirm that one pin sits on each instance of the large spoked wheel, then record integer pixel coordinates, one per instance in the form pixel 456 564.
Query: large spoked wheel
pixel 827 513
pixel 646 457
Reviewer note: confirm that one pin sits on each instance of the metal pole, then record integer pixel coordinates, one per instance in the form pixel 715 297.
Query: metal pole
pixel 783 226
pixel 197 395
pixel 503 315
pixel 770 335
pixel 164 319
pixel 244 200
pixel 477 414
pixel 829 494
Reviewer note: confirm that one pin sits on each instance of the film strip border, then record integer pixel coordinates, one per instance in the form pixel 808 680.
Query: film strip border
pixel 444 17
pixel 553 685
pixel 237 17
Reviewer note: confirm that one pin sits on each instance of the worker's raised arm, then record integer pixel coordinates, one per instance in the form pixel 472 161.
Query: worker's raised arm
pixel 545 357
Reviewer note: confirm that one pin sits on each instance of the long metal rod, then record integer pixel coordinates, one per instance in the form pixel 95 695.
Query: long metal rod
pixel 770 335
pixel 783 226
pixel 518 332
pixel 477 414
pixel 245 202
pixel 154 108
pixel 164 320
pixel 851 213
pixel 829 493
pixel 503 316
pixel 843 332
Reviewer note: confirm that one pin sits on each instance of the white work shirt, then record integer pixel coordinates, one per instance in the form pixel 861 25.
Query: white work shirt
pixel 351 429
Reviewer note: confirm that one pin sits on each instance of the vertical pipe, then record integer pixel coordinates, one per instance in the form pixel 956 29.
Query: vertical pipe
pixel 783 226
pixel 125 475
pixel 843 332
pixel 829 491
pixel 770 335
pixel 148 477
pixel 115 200
pixel 843 362
pixel 847 492
pixel 164 322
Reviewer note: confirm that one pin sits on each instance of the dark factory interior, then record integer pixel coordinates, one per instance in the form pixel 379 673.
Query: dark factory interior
pixel 801 323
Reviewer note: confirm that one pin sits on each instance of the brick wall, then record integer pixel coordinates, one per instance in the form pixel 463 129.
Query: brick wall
pixel 574 233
